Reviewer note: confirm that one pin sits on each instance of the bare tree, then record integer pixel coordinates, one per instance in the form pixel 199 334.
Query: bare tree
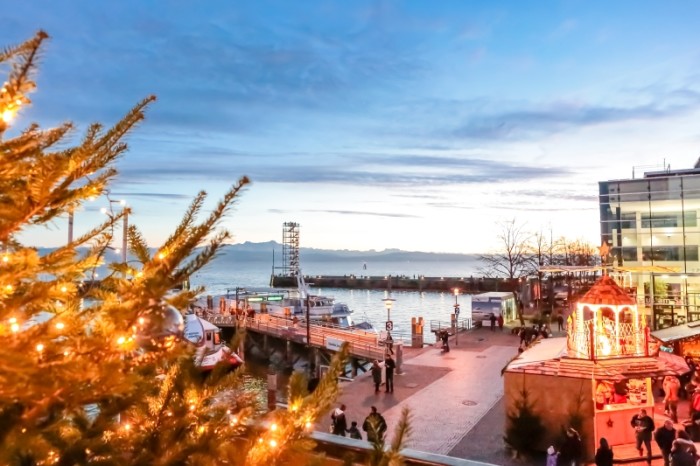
pixel 577 252
pixel 511 259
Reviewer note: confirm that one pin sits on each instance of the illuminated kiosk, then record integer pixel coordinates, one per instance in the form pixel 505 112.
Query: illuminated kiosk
pixel 599 376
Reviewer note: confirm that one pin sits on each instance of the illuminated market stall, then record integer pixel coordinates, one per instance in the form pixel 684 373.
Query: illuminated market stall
pixel 599 376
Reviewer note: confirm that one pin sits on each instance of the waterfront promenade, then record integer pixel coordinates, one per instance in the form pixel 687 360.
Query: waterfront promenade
pixel 450 395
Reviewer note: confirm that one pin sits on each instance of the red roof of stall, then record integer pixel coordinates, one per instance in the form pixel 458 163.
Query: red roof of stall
pixel 606 291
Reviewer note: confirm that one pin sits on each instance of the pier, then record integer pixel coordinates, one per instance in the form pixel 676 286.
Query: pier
pixel 469 285
pixel 269 335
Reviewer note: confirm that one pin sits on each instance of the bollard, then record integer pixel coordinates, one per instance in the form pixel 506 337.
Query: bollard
pixel 271 391
pixel 416 332
pixel 399 357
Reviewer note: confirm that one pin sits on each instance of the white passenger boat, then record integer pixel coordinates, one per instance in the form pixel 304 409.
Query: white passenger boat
pixel 291 304
pixel 210 349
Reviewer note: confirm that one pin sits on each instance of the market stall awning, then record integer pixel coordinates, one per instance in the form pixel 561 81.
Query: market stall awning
pixel 550 360
pixel 677 333
pixel 675 362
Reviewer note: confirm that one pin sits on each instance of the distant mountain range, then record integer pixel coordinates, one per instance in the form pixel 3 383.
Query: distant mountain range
pixel 249 251
pixel 256 252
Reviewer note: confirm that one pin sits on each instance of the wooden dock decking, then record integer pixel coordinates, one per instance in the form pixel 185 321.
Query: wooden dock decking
pixel 361 344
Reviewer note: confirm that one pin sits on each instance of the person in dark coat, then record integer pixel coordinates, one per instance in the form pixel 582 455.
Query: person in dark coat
pixel 354 431
pixel 376 375
pixel 493 322
pixel 681 454
pixel 664 437
pixel 445 337
pixel 643 429
pixel 375 426
pixel 340 424
pixel 604 454
pixel 389 366
pixel 571 449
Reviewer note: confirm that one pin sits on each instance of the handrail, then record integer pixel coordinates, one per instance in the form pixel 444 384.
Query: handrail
pixel 361 343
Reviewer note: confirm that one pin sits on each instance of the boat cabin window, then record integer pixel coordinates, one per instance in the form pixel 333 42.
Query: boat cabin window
pixel 217 338
pixel 208 336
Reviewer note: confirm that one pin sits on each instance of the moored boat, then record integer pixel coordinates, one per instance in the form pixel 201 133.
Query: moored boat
pixel 210 349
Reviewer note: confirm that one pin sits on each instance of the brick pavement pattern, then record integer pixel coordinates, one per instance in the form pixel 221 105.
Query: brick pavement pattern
pixel 447 393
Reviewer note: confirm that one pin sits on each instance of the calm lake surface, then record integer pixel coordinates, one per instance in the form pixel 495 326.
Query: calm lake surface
pixel 222 275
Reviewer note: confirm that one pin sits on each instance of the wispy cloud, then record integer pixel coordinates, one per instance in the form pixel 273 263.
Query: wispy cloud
pixel 346 212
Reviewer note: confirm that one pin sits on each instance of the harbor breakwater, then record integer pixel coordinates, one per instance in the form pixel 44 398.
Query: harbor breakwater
pixel 471 285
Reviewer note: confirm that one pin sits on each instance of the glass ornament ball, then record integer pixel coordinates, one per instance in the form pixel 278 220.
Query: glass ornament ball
pixel 159 327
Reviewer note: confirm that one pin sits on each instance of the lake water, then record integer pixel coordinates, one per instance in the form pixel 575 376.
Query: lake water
pixel 222 275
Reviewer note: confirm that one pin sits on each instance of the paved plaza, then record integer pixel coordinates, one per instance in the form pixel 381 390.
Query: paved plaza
pixel 449 395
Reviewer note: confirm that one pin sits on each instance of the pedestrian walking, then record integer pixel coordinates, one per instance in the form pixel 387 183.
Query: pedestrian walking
pixel 500 322
pixel 604 454
pixel 493 322
pixel 664 437
pixel 560 321
pixel 354 431
pixel 643 428
pixel 681 453
pixel 671 387
pixel 445 337
pixel 375 426
pixel 339 425
pixel 376 375
pixel 552 456
pixel 571 449
pixel 389 366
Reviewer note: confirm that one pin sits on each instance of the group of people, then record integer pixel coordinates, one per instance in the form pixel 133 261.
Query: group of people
pixel 389 367
pixel 496 320
pixel 374 425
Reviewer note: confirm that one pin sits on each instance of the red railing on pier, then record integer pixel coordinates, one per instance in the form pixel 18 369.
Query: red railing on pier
pixel 360 343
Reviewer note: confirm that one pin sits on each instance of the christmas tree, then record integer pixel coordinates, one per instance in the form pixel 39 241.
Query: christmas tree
pixel 96 371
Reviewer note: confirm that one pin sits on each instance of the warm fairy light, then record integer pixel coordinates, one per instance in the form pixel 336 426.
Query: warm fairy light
pixel 103 210
pixel 139 274
pixel 127 426
pixel 63 289
pixel 8 115
pixel 234 420
pixel 60 325
pixel 273 443
pixel 260 440
pixel 14 327
pixel 66 353
pixel 308 425
pixel 121 340
pixel 201 429
pixel 192 407
pixel 8 287
pixel 5 258
pixel 161 255
pixel 13 320
pixel 40 347
pixel 273 427
pixel 141 320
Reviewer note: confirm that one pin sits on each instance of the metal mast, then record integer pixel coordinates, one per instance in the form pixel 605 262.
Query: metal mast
pixel 290 249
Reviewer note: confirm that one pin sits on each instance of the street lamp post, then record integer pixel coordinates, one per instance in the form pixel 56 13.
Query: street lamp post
pixel 456 306
pixel 388 303
pixel 125 227
pixel 70 226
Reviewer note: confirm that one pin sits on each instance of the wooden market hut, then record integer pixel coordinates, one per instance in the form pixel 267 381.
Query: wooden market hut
pixel 595 378
pixel 683 340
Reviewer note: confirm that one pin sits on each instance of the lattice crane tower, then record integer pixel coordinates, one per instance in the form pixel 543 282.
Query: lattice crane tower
pixel 290 249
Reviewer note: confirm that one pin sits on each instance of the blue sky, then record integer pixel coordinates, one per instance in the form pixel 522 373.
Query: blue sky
pixel 374 124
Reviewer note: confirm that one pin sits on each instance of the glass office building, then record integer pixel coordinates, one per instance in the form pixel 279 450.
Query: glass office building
pixel 651 225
